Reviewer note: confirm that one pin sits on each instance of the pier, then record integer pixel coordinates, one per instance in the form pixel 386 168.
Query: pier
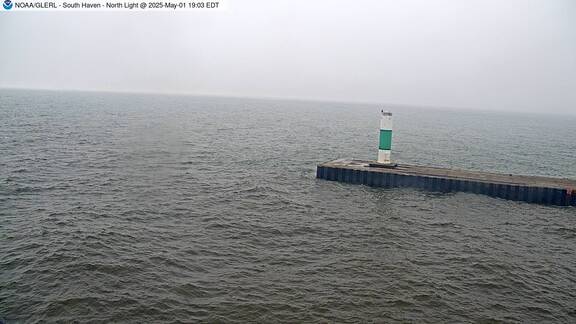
pixel 532 189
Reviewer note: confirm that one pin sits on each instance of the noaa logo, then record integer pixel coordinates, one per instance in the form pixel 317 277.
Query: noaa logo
pixel 7 4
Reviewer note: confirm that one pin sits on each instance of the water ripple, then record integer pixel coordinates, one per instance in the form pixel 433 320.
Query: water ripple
pixel 129 208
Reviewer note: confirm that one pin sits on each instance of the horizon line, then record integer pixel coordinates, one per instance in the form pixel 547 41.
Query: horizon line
pixel 298 99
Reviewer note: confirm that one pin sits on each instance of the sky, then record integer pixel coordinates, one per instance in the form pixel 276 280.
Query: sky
pixel 517 55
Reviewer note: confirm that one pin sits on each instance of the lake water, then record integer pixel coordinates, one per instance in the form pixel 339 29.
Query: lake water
pixel 149 208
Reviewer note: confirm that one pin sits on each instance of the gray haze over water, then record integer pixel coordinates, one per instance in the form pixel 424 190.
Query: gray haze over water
pixel 486 54
pixel 118 207
pixel 148 209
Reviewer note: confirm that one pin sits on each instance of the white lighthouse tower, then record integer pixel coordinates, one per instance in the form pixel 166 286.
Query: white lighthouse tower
pixel 385 145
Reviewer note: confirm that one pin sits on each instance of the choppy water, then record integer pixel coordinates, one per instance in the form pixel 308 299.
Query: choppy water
pixel 137 208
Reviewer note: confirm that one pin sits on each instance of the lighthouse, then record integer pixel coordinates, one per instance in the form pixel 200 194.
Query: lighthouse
pixel 385 138
pixel 383 173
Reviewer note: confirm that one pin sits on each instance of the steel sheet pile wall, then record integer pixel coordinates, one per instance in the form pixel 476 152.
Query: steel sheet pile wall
pixel 532 194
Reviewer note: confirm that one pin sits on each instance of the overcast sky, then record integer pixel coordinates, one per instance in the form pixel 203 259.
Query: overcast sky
pixel 488 54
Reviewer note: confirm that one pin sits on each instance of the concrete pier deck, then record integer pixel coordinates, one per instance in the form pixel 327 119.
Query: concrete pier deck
pixel 533 189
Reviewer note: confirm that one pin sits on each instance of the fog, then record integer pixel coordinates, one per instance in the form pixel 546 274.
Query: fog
pixel 489 54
